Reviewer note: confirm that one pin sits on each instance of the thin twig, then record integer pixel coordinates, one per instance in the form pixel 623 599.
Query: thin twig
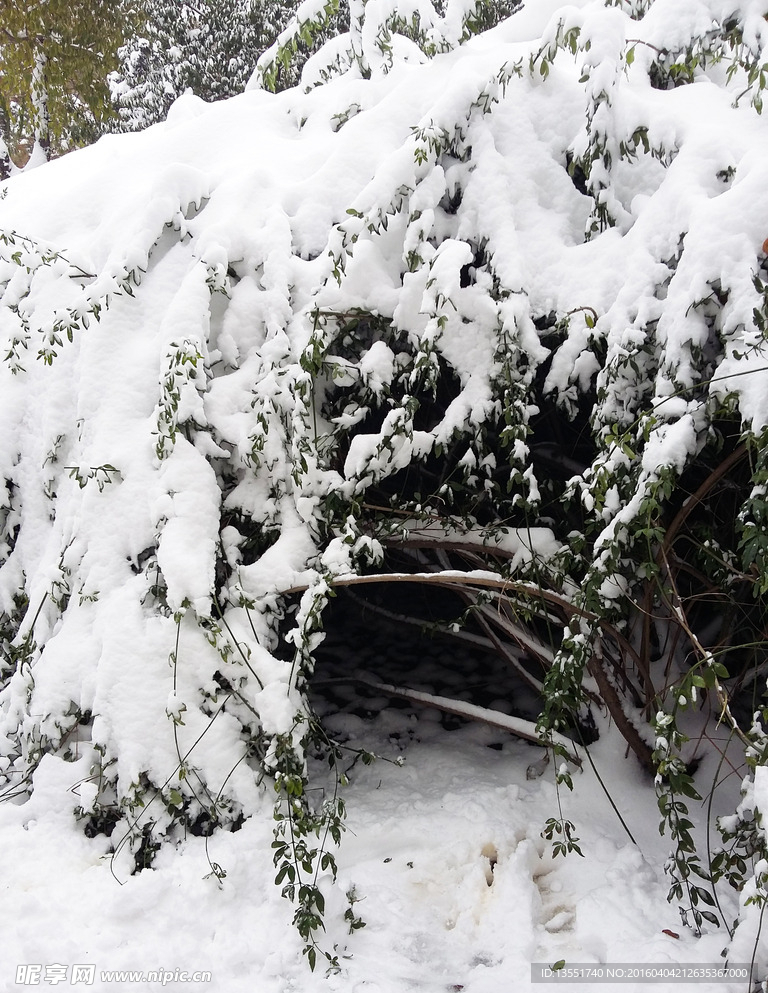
pixel 515 725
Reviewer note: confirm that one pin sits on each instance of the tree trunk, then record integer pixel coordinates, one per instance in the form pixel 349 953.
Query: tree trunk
pixel 5 162
pixel 40 103
pixel 5 155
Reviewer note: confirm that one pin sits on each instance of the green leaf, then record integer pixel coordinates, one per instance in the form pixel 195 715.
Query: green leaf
pixel 705 896
pixel 688 789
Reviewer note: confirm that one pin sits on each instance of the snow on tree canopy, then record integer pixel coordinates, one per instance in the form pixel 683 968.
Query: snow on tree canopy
pixel 477 310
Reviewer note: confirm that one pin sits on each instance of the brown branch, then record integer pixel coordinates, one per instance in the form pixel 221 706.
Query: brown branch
pixel 580 310
pixel 502 649
pixel 679 519
pixel 706 659
pixel 515 725
pixel 15 39
pixel 527 589
pixel 665 550
pixel 611 699
pixel 464 583
pixel 639 41
pixel 457 579
pixel 645 643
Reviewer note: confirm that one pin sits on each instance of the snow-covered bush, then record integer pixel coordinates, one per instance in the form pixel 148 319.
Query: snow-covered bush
pixel 485 311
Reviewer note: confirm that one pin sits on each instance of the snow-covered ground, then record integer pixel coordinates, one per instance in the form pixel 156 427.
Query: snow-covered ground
pixel 444 854
pixel 457 887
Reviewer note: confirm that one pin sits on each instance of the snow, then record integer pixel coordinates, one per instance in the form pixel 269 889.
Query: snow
pixel 444 855
pixel 204 265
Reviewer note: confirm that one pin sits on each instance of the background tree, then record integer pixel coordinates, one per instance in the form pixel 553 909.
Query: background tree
pixel 210 47
pixel 54 60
